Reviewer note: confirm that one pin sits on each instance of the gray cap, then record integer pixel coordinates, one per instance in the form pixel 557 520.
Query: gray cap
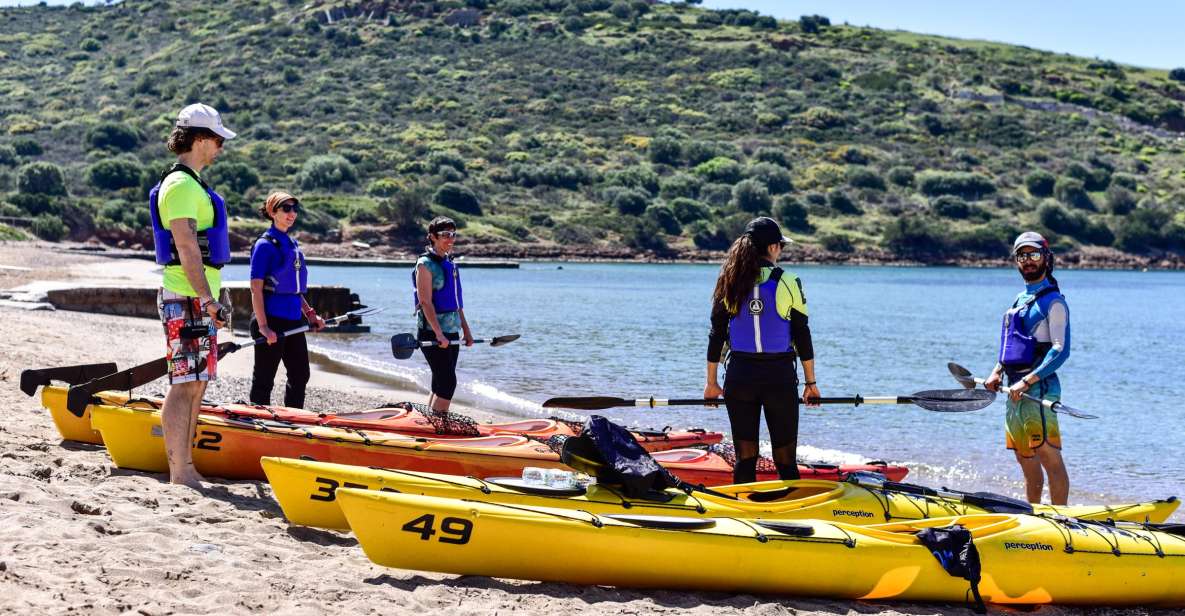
pixel 1029 238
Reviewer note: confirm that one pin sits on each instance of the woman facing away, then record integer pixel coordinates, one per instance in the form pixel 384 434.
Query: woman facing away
pixel 760 311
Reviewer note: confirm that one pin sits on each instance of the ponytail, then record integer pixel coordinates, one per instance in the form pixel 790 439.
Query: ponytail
pixel 737 275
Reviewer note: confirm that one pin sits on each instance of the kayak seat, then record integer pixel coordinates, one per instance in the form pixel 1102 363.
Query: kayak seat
pixel 784 494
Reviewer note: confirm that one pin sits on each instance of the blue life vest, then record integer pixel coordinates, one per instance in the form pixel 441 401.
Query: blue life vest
pixel 757 326
pixel 447 298
pixel 293 277
pixel 214 242
pixel 1019 349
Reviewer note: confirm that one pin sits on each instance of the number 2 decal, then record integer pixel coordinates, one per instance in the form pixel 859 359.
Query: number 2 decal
pixel 452 530
pixel 209 440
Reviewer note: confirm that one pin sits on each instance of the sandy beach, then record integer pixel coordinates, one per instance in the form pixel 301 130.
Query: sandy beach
pixel 80 536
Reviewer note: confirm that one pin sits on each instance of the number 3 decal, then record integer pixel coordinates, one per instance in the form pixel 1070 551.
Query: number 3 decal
pixel 452 530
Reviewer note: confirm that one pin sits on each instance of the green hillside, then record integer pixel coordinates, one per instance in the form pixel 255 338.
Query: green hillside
pixel 588 127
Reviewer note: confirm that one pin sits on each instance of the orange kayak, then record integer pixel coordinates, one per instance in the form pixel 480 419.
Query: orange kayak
pixel 231 448
pixel 403 417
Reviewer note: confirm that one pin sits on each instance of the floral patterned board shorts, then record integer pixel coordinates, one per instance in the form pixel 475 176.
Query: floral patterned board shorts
pixel 190 337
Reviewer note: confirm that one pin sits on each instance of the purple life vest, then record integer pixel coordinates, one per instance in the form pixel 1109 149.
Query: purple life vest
pixel 757 326
pixel 448 298
pixel 293 277
pixel 1020 350
pixel 214 243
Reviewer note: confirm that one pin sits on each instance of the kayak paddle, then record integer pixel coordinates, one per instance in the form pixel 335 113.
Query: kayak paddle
pixel 939 400
pixel 966 379
pixel 403 345
pixel 33 378
pixel 126 380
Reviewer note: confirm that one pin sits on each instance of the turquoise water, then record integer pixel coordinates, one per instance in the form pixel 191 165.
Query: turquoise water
pixel 635 330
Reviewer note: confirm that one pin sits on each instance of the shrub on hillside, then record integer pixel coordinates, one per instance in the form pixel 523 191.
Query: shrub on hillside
pixel 843 203
pixel 837 242
pixel 822 118
pixel 985 240
pixel 406 209
pixel 718 195
pixel 1093 180
pixel 27 147
pixel 665 218
pixel 234 176
pixel 689 210
pixel 639 176
pixel 383 187
pixel 861 177
pixel 326 171
pixel 812 24
pixel 8 155
pixel 41 178
pixel 901 176
pixel 680 185
pixel 35 203
pixel 776 179
pixel 1177 74
pixel 457 197
pixel 629 201
pixel 696 152
pixel 706 237
pixel 915 237
pixel 751 196
pixel 49 227
pixel 645 234
pixel 1145 229
pixel 112 136
pixel 950 206
pixel 1073 193
pixel 1040 183
pixel 973 186
pixel 777 156
pixel 666 150
pixel 792 214
pixel 1120 201
pixel 557 174
pixel 1125 180
pixel 720 169
pixel 114 174
pixel 445 158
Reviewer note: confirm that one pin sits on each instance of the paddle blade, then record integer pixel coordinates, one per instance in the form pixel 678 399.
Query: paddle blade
pixel 403 345
pixel 961 374
pixel 1072 412
pixel 954 400
pixel 587 403
pixel 501 340
pixel 33 378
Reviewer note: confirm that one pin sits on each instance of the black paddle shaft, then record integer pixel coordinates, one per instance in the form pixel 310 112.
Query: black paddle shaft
pixel 941 400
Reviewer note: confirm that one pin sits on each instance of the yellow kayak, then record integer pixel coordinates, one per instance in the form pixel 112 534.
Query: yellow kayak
pixel 72 428
pixel 1025 559
pixel 305 491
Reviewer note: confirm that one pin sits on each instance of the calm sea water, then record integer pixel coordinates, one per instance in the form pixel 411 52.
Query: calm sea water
pixel 635 330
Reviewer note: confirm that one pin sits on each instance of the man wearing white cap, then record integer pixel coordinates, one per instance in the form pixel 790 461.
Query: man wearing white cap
pixel 189 228
pixel 1034 343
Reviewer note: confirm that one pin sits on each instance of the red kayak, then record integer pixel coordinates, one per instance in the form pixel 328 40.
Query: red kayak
pixel 712 466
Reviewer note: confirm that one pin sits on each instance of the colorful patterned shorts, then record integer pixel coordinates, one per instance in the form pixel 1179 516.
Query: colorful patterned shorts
pixel 190 336
pixel 1028 426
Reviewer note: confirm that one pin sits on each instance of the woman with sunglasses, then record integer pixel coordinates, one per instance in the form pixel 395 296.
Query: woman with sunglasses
pixel 440 310
pixel 279 281
pixel 760 311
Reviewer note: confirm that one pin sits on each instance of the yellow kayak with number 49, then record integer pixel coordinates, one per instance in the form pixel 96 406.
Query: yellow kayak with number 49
pixel 1023 559
pixel 306 493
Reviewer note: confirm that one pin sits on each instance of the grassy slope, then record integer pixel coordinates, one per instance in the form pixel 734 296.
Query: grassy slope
pixel 386 97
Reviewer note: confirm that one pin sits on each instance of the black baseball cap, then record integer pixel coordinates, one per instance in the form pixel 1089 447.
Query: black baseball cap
pixel 765 231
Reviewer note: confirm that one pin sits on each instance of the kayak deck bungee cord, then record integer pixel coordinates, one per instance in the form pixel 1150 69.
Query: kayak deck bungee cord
pixel 305 491
pixel 1019 559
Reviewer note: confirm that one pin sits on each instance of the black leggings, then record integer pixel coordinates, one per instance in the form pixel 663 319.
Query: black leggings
pixel 443 363
pixel 293 351
pixel 750 386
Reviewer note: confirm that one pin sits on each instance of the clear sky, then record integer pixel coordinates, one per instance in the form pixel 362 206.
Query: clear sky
pixel 1147 33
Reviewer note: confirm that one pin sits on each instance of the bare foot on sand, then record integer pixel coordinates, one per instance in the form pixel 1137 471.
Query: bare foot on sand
pixel 188 477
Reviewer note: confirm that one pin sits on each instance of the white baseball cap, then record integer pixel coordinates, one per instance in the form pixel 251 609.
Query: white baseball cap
pixel 1031 239
pixel 198 115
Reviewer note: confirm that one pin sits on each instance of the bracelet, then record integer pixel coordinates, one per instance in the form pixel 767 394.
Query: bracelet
pixel 809 383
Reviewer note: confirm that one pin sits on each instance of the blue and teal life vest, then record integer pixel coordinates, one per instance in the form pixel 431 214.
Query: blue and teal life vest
pixel 757 326
pixel 1020 351
pixel 214 242
pixel 448 298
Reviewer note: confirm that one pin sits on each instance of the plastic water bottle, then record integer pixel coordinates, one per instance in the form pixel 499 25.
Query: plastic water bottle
pixel 559 478
pixel 534 476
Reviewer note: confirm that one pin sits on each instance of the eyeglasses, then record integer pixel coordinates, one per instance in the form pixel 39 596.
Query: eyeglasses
pixel 288 206
pixel 1021 257
pixel 445 234
pixel 219 140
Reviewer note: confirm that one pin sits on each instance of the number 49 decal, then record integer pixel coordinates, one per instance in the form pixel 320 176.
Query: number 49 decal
pixel 452 530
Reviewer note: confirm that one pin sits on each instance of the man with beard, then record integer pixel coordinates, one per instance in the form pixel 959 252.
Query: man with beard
pixel 1034 343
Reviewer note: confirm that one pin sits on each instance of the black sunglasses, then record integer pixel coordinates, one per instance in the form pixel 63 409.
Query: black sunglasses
pixel 288 206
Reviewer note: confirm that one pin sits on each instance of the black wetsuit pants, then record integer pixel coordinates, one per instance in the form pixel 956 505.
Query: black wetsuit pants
pixel 292 350
pixel 443 363
pixel 752 385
